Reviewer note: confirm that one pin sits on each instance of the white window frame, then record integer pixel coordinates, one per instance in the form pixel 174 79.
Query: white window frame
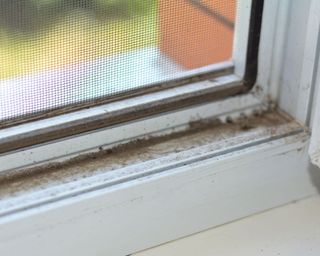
pixel 314 149
pixel 144 211
pixel 313 117
pixel 59 150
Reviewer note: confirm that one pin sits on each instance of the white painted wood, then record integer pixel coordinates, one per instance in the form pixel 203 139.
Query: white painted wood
pixel 291 230
pixel 154 209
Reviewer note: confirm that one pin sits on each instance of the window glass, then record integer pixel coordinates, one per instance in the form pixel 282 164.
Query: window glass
pixel 57 53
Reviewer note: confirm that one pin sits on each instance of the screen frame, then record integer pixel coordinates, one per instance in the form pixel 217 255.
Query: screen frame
pixel 163 98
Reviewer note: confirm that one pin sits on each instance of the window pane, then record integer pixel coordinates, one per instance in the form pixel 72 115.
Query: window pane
pixel 56 53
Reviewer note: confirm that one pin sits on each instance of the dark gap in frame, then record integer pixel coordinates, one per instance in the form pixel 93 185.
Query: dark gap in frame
pixel 251 71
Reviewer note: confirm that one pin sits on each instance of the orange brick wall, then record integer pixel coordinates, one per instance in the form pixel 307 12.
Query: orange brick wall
pixel 191 37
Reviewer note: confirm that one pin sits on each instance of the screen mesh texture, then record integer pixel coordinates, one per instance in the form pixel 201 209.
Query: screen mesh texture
pixel 59 53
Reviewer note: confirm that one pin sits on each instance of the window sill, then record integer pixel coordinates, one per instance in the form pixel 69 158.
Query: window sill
pixel 163 189
pixel 292 230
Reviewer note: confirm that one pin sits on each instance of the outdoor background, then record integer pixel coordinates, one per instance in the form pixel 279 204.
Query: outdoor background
pixel 38 35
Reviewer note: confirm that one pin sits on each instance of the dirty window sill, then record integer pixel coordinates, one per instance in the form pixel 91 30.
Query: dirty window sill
pixel 203 140
pixel 163 188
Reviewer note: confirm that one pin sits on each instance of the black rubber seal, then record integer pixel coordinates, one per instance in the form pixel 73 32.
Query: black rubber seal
pixel 251 70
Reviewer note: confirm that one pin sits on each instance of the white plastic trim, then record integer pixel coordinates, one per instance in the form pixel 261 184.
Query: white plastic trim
pixel 314 149
pixel 310 65
pixel 154 209
pixel 105 138
pixel 91 141
pixel 241 36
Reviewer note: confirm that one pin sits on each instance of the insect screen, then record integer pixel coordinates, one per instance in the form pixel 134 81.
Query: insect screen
pixel 61 53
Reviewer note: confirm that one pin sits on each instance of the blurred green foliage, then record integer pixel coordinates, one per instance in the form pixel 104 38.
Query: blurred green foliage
pixel 129 6
pixel 41 35
pixel 28 15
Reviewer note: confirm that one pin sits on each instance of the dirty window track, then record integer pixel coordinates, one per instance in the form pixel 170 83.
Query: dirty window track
pixel 107 166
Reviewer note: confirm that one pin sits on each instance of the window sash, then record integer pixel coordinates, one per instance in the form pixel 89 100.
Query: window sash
pixel 170 99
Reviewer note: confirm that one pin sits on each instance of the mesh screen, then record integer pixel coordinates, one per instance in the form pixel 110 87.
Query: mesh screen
pixel 58 53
